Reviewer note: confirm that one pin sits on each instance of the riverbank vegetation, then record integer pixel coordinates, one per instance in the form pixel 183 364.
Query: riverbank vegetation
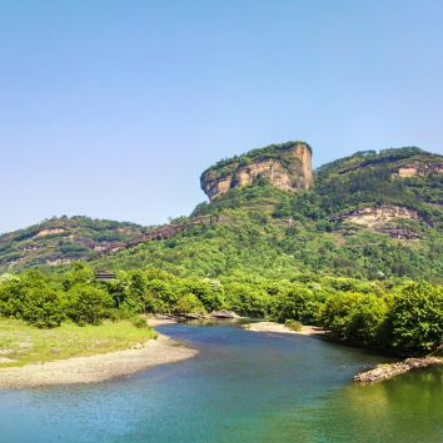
pixel 405 317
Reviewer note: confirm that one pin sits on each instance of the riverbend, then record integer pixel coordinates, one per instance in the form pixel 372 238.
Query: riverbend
pixel 242 387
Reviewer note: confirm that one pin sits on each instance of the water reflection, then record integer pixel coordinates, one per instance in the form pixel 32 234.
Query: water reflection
pixel 408 409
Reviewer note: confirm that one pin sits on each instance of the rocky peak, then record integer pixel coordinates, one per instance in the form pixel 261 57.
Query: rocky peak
pixel 287 166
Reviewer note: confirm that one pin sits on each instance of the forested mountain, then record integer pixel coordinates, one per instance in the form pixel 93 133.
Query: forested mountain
pixel 61 241
pixel 374 215
pixel 338 248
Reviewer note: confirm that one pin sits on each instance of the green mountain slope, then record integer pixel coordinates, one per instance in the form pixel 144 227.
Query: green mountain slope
pixel 372 215
pixel 338 252
pixel 61 241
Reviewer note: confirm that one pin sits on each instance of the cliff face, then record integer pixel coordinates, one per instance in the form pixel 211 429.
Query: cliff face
pixel 373 216
pixel 288 167
pixel 385 219
pixel 419 169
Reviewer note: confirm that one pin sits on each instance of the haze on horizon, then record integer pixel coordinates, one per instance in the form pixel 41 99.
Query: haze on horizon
pixel 112 109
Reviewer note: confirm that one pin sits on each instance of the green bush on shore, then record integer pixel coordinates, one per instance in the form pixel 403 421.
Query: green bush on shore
pixel 294 325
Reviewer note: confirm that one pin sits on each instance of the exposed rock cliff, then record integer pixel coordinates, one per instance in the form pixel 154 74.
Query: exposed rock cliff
pixel 372 217
pixel 287 166
pixel 383 219
pixel 419 169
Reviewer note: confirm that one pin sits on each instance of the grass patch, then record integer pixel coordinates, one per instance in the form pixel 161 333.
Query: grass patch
pixel 21 344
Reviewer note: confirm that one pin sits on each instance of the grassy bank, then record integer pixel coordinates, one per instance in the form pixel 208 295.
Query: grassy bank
pixel 21 344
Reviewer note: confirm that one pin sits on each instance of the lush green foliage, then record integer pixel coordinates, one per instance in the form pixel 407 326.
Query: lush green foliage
pixel 33 299
pixel 416 317
pixel 407 318
pixel 189 304
pixel 299 303
pixel 356 317
pixel 294 325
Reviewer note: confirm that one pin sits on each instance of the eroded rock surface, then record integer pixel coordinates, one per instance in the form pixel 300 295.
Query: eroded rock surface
pixel 386 219
pixel 288 167
pixel 387 371
pixel 419 169
pixel 374 216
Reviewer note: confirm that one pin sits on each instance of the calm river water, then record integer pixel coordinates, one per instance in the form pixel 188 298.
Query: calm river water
pixel 243 388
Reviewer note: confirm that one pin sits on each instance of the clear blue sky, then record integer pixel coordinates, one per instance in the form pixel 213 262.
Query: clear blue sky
pixel 112 108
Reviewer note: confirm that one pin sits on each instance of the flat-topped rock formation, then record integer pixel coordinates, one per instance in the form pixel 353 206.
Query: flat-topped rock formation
pixel 287 166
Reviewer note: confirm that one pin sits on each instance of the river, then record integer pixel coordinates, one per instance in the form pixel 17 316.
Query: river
pixel 244 387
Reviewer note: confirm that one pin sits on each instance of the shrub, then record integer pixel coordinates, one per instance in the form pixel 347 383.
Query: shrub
pixel 139 322
pixel 294 325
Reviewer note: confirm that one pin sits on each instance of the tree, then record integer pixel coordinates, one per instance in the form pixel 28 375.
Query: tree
pixel 86 304
pixel 209 292
pixel 189 304
pixel 79 274
pixel 247 300
pixel 298 304
pixel 416 318
pixel 43 307
pixel 162 296
pixel 356 317
pixel 12 296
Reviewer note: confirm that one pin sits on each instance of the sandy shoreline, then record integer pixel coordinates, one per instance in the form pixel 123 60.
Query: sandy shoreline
pixel 97 368
pixel 278 328
pixel 153 322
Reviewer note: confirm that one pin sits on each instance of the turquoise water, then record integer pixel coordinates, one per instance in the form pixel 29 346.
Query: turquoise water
pixel 243 388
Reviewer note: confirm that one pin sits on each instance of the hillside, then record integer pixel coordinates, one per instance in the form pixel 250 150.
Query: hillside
pixel 61 241
pixel 349 255
pixel 373 215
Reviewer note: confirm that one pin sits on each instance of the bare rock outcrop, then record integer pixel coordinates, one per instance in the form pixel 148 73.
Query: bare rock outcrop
pixel 386 219
pixel 379 215
pixel 224 315
pixel 287 166
pixel 419 169
pixel 387 371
